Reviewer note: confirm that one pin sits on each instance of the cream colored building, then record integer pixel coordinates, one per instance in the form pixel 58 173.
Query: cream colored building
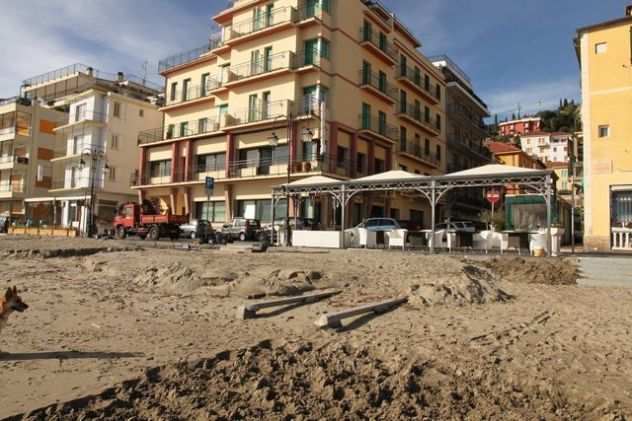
pixel 27 142
pixel 606 77
pixel 95 146
pixel 335 88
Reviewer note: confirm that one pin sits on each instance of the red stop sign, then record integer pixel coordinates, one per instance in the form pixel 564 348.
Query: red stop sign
pixel 493 197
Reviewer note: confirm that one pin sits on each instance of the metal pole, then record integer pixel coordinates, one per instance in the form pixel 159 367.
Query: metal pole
pixel 92 180
pixel 433 201
pixel 573 203
pixel 273 217
pixel 547 198
pixel 290 142
pixel 343 201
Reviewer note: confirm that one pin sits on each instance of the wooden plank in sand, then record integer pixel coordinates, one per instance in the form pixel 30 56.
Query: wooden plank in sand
pixel 334 320
pixel 250 311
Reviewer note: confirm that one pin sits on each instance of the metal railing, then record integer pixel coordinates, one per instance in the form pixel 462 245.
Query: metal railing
pixel 414 112
pixel 284 60
pixel 88 115
pixel 12 187
pixel 81 148
pixel 16 130
pixel 416 150
pixel 374 81
pixel 310 57
pixel 314 11
pixel 378 126
pixel 382 44
pixel 415 77
pixel 15 159
pixel 190 55
pixel 452 65
pixel 264 21
pixel 170 132
pixel 260 112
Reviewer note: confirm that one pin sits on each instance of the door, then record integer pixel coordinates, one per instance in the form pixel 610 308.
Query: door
pixel 265 160
pixel 310 99
pixel 366 73
pixel 255 63
pixel 267 59
pixel 311 51
pixel 269 17
pixel 265 106
pixel 257 23
pixel 252 108
pixel 310 8
pixel 366 116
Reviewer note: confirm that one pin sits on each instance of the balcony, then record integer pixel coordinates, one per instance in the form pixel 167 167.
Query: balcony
pixel 378 45
pixel 412 114
pixel 193 93
pixel 412 78
pixel 375 126
pixel 415 151
pixel 175 132
pixel 260 113
pixel 75 151
pixel 276 63
pixel 84 117
pixel 189 56
pixel 274 20
pixel 12 132
pixel 314 12
pixel 9 190
pixel 372 83
pixel 9 162
pixel 311 58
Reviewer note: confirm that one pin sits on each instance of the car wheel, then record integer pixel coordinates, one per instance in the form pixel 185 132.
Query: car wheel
pixel 154 233
pixel 120 233
pixel 242 236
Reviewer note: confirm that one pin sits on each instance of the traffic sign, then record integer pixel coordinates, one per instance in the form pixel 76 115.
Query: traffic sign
pixel 493 197
pixel 209 183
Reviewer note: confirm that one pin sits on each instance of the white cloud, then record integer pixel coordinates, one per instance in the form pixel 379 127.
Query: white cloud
pixel 111 35
pixel 531 97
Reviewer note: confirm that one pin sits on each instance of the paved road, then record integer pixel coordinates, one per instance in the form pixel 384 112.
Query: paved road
pixel 606 272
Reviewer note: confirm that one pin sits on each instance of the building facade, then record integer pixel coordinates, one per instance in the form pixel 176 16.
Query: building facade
pixel 548 147
pixel 605 58
pixel 466 133
pixel 520 126
pixel 316 87
pixel 94 149
pixel 27 143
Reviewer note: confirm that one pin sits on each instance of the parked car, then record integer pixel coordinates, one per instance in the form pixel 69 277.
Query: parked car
pixel 198 228
pixel 379 224
pixel 243 229
pixel 456 227
pixel 4 224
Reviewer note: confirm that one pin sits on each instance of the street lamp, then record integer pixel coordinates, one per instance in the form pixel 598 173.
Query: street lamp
pixel 95 156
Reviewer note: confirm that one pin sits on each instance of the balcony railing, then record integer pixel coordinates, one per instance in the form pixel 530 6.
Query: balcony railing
pixel 310 57
pixel 265 20
pixel 84 148
pixel 378 126
pixel 284 60
pixel 414 76
pixel 312 11
pixel 368 36
pixel 88 115
pixel 260 112
pixel 190 55
pixel 12 187
pixel 415 149
pixel 372 80
pixel 413 112
pixel 192 128
pixel 193 92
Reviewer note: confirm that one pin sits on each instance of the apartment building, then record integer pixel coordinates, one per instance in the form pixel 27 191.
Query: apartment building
pixel 27 142
pixel 548 146
pixel 521 126
pixel 95 150
pixel 316 87
pixel 604 52
pixel 466 132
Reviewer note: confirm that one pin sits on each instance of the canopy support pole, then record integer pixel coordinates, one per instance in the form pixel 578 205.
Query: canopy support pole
pixel 433 205
pixel 343 204
pixel 547 198
pixel 273 217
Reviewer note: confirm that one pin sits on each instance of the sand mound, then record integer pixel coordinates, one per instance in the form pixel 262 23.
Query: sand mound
pixel 532 270
pixel 472 285
pixel 282 283
pixel 299 382
pixel 174 277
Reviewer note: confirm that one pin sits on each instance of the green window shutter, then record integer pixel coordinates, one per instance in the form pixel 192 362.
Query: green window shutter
pixel 325 49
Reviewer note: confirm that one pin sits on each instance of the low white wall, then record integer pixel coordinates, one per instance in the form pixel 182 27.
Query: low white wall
pixel 317 239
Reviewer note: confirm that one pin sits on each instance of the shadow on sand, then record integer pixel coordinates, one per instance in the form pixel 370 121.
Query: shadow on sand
pixel 68 355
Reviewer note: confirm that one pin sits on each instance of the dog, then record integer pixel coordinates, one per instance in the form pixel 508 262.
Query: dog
pixel 8 304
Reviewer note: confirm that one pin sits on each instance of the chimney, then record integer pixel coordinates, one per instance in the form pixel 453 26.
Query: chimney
pixel 120 77
pixel 628 10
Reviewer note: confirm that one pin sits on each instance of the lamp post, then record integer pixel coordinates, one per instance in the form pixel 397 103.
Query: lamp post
pixel 94 156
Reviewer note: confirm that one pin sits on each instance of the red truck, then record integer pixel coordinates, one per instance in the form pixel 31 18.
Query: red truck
pixel 146 222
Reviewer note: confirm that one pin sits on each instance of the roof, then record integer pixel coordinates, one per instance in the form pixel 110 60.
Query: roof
pixel 319 179
pixel 500 147
pixel 623 20
pixel 494 169
pixel 520 120
pixel 389 176
pixel 557 165
pixel 534 134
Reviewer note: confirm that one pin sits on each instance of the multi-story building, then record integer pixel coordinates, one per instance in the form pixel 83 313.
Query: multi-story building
pixel 548 147
pixel 27 143
pixel 520 126
pixel 317 87
pixel 466 132
pixel 95 146
pixel 605 58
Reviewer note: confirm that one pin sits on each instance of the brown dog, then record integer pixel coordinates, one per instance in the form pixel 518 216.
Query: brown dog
pixel 8 304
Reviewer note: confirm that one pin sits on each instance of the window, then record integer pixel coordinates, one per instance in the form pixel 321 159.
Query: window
pixel 382 122
pixel 80 112
pixel 211 211
pixel 141 113
pixel 112 174
pixel 604 131
pixel 382 81
pixel 186 84
pixel 160 168
pixel 601 48
pixel 211 162
pixel 203 125
pixel 361 163
pixel 366 116
pixel 174 91
pixel 438 122
pixel 379 165
pixel 204 84
pixel 366 73
pixel 171 131
pixel 403 101
pixel 76 145
pixel 114 142
pixel 427 147
pixel 427 114
pixel 184 128
pixel 117 110
pixel 403 136
pixel 310 151
pixel 438 92
pixel 325 48
pixel 438 154
pixel 427 82
pixel 260 209
pixel 403 167
pixel 341 156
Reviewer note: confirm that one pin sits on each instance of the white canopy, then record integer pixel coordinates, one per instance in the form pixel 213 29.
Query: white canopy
pixel 389 176
pixel 492 170
pixel 316 180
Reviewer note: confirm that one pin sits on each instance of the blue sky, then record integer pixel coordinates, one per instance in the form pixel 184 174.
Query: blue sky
pixel 516 51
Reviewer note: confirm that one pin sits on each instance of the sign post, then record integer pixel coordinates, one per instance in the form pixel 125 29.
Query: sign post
pixel 493 197
pixel 209 183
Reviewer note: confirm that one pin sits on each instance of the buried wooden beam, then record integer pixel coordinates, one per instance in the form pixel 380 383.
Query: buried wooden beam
pixel 333 320
pixel 250 311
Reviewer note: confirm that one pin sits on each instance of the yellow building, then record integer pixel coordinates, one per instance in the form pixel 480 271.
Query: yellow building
pixel 27 142
pixel 606 75
pixel 334 88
